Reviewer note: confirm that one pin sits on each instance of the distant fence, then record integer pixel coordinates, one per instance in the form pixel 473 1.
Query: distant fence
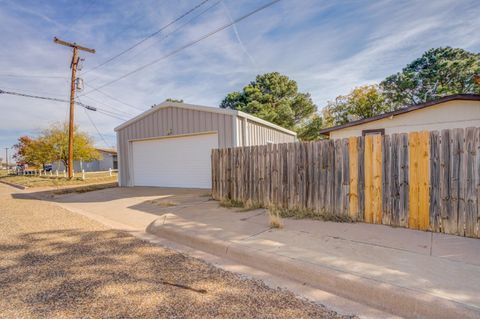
pixel 63 173
pixel 420 180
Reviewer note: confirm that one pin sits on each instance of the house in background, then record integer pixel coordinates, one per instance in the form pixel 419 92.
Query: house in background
pixel 108 161
pixel 170 145
pixel 454 111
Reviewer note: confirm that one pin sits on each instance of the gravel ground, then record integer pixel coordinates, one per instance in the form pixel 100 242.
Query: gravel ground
pixel 57 264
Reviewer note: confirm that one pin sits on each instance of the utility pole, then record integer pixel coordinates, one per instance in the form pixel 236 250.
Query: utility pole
pixel 6 158
pixel 476 79
pixel 71 126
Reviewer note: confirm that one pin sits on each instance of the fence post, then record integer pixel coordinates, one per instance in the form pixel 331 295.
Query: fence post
pixel 56 173
pixel 83 174
pixel 110 171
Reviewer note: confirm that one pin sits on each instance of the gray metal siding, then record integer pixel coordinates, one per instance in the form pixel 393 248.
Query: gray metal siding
pixel 260 134
pixel 171 121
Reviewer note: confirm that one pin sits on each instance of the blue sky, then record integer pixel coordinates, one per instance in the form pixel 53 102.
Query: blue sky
pixel 328 47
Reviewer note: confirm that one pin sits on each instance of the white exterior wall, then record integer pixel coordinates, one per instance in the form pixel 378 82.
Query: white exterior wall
pixel 452 114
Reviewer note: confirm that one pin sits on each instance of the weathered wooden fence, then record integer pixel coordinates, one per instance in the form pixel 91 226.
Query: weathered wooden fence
pixel 421 180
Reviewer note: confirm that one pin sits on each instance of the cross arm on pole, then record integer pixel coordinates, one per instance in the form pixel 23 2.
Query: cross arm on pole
pixel 72 45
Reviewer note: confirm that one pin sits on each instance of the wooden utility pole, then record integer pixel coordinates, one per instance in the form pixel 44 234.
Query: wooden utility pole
pixel 6 157
pixel 71 126
pixel 476 79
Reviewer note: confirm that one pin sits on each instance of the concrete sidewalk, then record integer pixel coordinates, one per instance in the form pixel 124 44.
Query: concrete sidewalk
pixel 409 273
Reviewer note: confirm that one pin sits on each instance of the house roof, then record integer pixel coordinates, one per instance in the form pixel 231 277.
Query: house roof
pixel 167 104
pixel 410 108
pixel 107 150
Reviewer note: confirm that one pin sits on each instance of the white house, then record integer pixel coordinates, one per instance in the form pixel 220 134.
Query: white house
pixel 454 111
pixel 108 161
pixel 170 145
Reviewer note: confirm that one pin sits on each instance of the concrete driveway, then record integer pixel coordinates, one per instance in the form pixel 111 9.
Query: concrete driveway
pixel 132 208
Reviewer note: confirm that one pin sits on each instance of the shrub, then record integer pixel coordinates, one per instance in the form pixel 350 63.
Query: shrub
pixel 300 213
pixel 274 218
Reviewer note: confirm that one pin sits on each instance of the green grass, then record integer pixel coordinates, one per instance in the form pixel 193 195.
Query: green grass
pixel 162 202
pixel 278 212
pixel 84 189
pixel 244 207
pixel 231 203
pixel 299 213
pixel 53 181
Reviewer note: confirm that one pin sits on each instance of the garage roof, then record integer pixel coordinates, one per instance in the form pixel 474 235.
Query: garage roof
pixel 205 109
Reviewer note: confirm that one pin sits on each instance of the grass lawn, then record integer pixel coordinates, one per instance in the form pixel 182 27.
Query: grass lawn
pixel 53 181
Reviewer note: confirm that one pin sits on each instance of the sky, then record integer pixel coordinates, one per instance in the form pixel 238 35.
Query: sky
pixel 328 47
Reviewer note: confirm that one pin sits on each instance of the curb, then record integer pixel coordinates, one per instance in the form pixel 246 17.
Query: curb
pixel 397 300
pixel 14 185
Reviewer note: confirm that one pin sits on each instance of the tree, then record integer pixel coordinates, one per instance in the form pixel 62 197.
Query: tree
pixel 275 98
pixel 310 131
pixel 23 150
pixel 438 72
pixel 363 102
pixel 56 139
pixel 52 145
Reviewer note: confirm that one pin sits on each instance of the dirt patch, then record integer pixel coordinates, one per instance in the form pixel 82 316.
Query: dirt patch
pixel 84 189
pixel 162 202
pixel 53 181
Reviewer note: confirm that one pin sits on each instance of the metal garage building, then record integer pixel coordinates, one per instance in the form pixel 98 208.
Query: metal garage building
pixel 170 144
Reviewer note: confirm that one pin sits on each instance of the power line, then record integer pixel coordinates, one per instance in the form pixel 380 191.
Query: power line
pixel 112 115
pixel 36 92
pixel 146 38
pixel 165 36
pixel 96 128
pixel 86 8
pixel 11 75
pixel 115 99
pixel 86 106
pixel 109 106
pixel 184 46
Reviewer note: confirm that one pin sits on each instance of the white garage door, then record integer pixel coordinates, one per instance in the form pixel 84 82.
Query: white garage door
pixel 174 161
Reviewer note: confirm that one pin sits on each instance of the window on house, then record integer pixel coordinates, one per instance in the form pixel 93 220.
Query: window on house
pixel 379 131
